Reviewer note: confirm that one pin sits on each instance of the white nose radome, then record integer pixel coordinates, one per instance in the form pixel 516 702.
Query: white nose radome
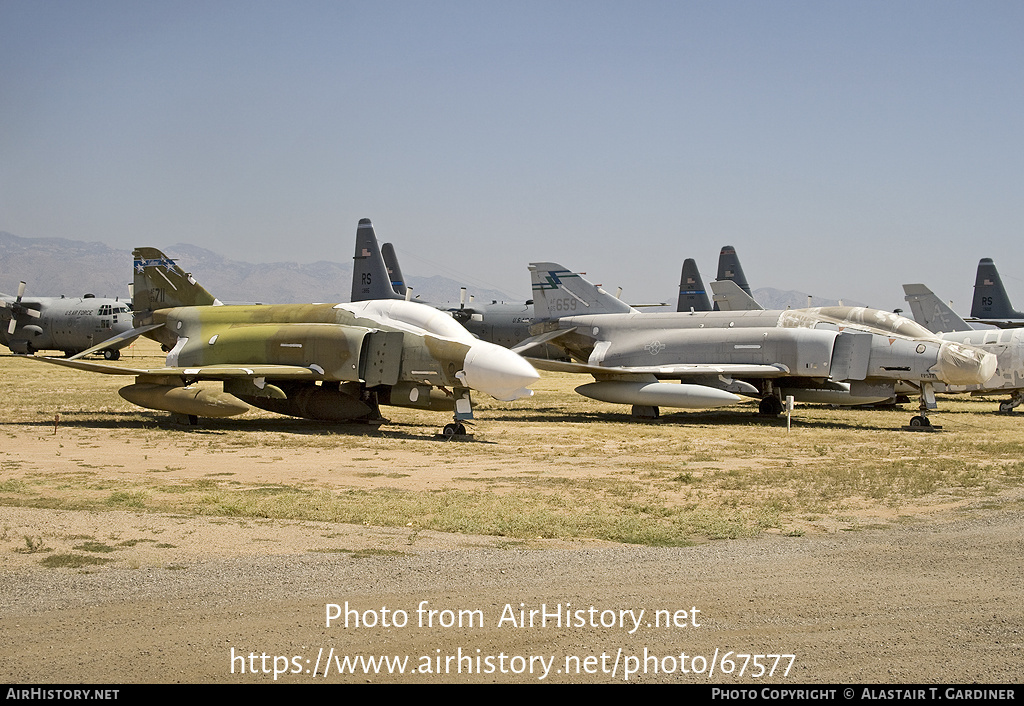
pixel 498 371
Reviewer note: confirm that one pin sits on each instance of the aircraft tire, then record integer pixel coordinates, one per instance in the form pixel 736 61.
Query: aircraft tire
pixel 770 406
pixel 111 354
pixel 920 421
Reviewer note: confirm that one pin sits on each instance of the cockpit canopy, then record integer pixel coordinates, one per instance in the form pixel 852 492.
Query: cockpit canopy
pixel 877 321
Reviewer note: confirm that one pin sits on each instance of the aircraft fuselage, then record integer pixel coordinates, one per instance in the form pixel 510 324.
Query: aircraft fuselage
pixel 837 343
pixel 66 324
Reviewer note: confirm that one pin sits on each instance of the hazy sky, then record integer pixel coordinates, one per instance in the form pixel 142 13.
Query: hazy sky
pixel 842 148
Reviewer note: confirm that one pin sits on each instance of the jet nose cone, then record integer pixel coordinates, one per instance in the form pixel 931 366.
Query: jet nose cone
pixel 960 364
pixel 498 371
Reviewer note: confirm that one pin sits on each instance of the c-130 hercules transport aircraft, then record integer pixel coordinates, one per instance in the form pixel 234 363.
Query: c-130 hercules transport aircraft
pixel 332 362
pixel 69 324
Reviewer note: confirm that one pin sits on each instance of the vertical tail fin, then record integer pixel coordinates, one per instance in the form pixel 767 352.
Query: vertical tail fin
pixel 387 250
pixel 369 273
pixel 558 292
pixel 692 295
pixel 159 283
pixel 931 312
pixel 729 297
pixel 990 299
pixel 729 268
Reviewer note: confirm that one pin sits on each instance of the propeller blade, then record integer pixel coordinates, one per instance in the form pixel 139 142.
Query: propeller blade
pixel 12 326
pixel 21 291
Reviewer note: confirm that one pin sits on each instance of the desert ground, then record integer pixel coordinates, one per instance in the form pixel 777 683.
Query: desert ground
pixel 136 551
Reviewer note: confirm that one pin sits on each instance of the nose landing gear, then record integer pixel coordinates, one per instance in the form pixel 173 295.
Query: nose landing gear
pixel 920 422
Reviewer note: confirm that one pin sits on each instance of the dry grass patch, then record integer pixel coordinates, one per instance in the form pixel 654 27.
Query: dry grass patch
pixel 556 465
pixel 72 561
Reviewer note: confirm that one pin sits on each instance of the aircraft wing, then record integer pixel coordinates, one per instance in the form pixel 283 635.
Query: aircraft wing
pixel 665 371
pixel 204 372
pixel 128 335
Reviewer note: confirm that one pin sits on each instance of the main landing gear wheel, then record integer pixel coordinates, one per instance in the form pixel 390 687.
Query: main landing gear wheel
pixel 454 429
pixel 920 421
pixel 770 406
pixel 111 354
pixel 1006 407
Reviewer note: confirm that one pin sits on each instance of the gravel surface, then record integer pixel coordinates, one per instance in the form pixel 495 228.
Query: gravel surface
pixel 931 602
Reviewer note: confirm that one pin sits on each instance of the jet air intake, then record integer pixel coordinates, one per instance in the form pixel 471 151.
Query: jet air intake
pixel 960 364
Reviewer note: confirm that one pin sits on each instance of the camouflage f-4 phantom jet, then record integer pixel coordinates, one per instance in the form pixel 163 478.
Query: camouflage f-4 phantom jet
pixel 332 362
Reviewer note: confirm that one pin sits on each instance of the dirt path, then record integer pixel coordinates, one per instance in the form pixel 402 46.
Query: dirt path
pixel 936 602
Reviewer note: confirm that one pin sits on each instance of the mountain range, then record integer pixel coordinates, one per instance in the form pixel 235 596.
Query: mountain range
pixel 60 266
